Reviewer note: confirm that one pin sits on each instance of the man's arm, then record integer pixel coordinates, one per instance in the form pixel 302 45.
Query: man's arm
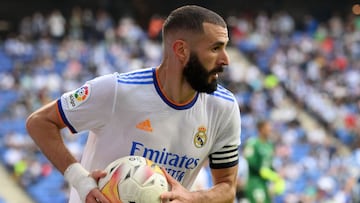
pixel 223 191
pixel 224 188
pixel 44 127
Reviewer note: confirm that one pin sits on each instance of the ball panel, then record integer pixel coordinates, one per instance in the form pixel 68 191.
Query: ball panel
pixel 133 179
pixel 129 191
pixel 154 166
pixel 110 189
pixel 150 194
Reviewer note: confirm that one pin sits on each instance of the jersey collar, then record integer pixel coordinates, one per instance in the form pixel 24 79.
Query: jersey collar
pixel 170 103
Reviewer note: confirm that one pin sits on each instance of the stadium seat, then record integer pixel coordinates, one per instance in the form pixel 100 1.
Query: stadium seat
pixel 53 185
pixel 299 151
pixel 6 64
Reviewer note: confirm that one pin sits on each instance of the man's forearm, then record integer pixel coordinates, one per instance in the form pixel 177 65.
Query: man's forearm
pixel 220 193
pixel 46 134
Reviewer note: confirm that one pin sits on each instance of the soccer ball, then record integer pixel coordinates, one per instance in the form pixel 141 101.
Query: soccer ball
pixel 133 179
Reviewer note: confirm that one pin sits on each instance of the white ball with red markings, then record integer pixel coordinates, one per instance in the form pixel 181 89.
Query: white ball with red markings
pixel 133 179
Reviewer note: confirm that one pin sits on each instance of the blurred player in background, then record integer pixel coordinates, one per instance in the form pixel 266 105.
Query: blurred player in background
pixel 259 154
pixel 174 114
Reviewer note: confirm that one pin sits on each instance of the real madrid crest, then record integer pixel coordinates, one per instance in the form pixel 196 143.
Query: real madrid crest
pixel 200 137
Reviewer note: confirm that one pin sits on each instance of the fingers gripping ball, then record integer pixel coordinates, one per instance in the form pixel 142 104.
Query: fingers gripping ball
pixel 133 179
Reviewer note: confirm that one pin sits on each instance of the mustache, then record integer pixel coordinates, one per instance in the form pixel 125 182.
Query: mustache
pixel 218 69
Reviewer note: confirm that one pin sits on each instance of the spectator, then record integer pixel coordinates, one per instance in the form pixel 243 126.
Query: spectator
pixel 38 26
pixel 76 24
pixel 56 24
pixel 25 27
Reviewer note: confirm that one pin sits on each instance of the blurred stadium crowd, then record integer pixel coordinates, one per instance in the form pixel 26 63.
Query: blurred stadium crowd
pixel 313 66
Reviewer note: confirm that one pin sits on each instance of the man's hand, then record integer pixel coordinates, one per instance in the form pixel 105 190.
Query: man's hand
pixel 178 193
pixel 223 190
pixel 95 195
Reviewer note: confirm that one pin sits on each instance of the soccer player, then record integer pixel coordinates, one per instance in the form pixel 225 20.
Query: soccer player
pixel 259 154
pixel 174 114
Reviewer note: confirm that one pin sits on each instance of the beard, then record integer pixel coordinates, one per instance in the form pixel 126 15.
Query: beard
pixel 198 77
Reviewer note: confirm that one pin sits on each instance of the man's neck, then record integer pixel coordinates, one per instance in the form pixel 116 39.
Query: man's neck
pixel 174 85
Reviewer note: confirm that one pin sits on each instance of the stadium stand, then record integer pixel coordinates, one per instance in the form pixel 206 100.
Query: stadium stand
pixel 287 75
pixel 10 192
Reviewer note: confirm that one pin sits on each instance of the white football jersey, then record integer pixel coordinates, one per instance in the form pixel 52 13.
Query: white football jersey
pixel 128 114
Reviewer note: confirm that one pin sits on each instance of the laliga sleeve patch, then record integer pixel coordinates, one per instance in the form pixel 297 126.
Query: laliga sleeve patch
pixel 77 97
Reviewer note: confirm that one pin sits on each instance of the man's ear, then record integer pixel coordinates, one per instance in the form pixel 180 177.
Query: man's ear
pixel 181 50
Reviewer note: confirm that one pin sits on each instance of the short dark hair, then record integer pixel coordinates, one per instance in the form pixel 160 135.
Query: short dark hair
pixel 261 123
pixel 191 18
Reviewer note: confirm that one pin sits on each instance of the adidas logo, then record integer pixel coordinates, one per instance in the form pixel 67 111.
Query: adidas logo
pixel 145 126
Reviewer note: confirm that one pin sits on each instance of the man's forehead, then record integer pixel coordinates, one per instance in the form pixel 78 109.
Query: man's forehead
pixel 216 32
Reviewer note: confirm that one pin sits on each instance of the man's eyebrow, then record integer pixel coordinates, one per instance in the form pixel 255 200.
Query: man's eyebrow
pixel 219 43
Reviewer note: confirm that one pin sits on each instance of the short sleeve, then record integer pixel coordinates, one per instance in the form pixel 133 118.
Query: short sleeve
pixel 226 152
pixel 90 106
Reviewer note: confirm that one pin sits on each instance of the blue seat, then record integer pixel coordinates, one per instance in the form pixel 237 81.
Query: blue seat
pixel 299 151
pixel 48 189
pixel 299 185
pixel 344 135
pixel 7 126
pixel 59 66
pixel 7 97
pixel 6 64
